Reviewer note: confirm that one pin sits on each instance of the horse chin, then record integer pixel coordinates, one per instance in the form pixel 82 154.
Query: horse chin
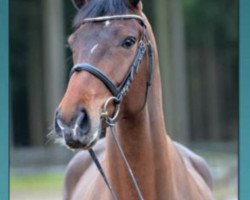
pixel 92 140
pixel 83 142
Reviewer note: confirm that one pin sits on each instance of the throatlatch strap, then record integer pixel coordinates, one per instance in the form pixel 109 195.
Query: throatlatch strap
pixel 124 86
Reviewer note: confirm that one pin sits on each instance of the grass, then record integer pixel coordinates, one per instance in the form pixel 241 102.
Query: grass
pixel 36 182
pixel 45 186
pixel 48 186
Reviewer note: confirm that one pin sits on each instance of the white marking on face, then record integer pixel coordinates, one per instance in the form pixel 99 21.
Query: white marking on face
pixel 93 48
pixel 60 125
pixel 107 23
pixel 75 130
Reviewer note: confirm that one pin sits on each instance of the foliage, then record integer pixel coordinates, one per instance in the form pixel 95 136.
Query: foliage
pixel 202 16
pixel 212 60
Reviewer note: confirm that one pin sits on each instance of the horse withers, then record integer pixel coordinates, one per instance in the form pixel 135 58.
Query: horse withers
pixel 115 89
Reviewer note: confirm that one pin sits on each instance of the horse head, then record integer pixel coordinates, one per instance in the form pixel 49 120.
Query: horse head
pixel 109 43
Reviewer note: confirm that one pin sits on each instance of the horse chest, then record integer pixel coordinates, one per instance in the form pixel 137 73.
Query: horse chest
pixel 91 186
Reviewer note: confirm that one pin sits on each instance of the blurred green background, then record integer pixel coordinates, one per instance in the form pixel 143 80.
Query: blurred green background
pixel 198 49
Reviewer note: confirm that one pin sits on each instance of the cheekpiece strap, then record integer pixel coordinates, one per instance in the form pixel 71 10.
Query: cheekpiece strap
pixel 124 87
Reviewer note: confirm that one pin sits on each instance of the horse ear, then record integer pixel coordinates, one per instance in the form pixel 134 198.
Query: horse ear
pixel 79 3
pixel 134 2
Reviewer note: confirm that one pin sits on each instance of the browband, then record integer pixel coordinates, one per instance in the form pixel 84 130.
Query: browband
pixel 114 17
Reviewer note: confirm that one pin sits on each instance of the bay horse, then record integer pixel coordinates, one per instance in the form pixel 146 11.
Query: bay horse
pixel 115 54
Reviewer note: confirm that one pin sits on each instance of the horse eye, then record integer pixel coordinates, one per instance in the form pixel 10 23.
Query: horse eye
pixel 128 42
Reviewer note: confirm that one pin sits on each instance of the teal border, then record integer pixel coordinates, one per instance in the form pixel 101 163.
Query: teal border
pixel 244 100
pixel 244 170
pixel 4 100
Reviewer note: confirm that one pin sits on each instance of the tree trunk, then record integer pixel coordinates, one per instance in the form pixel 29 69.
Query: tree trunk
pixel 54 65
pixel 170 36
pixel 35 78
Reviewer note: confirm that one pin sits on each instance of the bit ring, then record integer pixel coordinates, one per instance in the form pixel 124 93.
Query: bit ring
pixel 105 114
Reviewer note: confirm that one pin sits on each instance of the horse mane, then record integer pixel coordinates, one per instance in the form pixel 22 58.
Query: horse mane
pixel 99 8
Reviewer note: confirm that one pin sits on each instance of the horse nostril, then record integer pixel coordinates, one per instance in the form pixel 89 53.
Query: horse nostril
pixel 58 124
pixel 83 122
pixel 78 126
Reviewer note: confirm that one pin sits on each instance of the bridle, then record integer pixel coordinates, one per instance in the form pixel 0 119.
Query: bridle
pixel 120 91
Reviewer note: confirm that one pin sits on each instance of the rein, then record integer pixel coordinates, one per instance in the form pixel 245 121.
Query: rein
pixel 119 92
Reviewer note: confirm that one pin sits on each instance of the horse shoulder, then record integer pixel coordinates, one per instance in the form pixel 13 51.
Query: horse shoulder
pixel 76 168
pixel 198 163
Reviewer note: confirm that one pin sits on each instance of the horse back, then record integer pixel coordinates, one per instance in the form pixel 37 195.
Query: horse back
pixel 197 162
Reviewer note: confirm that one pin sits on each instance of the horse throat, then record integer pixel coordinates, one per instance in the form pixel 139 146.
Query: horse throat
pixel 147 148
pixel 145 145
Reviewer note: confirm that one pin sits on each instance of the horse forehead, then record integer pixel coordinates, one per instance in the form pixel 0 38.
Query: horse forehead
pixel 90 34
pixel 108 26
pixel 128 23
pixel 107 23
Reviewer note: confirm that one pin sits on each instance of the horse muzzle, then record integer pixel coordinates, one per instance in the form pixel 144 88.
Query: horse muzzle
pixel 78 133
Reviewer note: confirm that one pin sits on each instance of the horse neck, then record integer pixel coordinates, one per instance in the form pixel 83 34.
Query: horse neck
pixel 145 144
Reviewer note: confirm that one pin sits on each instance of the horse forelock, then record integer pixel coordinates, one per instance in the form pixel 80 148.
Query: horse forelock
pixel 99 8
